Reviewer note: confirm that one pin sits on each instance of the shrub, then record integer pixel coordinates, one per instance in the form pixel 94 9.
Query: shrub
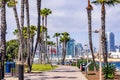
pixel 109 71
pixel 91 66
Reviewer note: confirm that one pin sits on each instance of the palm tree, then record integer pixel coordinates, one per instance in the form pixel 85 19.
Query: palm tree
pixel 32 34
pixel 38 25
pixel 47 12
pixel 51 44
pixel 28 38
pixel 57 35
pixel 103 17
pixel 3 35
pixel 19 27
pixel 64 39
pixel 44 13
pixel 33 30
pixel 89 9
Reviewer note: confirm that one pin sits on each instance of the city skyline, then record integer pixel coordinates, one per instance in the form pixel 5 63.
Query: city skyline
pixel 70 17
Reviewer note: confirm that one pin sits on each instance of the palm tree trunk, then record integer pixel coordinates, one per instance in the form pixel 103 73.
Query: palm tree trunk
pixel 46 37
pixel 103 39
pixel 57 48
pixel 42 38
pixel 104 48
pixel 20 57
pixel 32 50
pixel 38 25
pixel 3 35
pixel 90 36
pixel 64 52
pixel 28 39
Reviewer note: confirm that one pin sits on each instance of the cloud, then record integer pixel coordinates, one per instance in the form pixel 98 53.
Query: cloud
pixel 70 16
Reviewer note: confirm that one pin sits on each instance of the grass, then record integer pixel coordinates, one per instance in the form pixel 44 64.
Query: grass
pixel 42 67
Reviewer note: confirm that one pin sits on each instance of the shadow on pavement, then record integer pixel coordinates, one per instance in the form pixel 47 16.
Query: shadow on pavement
pixel 55 78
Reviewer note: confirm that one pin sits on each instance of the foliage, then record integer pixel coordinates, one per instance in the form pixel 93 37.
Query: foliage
pixel 46 12
pixel 80 62
pixel 107 2
pixel 84 61
pixel 33 30
pixel 109 71
pixel 91 66
pixel 11 50
pixel 42 67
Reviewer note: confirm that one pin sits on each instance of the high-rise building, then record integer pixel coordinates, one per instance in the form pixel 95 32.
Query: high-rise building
pixel 78 49
pixel 70 48
pixel 110 42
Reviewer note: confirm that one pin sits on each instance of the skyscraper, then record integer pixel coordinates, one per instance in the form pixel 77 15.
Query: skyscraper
pixel 70 49
pixel 110 42
pixel 78 49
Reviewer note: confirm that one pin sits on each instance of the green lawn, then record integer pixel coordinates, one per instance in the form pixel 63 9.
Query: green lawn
pixel 42 67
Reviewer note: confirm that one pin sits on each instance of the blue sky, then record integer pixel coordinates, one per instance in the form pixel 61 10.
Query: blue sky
pixel 70 16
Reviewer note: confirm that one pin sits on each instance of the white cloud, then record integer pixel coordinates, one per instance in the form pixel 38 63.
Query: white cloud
pixel 70 16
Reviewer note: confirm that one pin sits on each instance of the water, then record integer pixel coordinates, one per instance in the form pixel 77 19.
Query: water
pixel 117 65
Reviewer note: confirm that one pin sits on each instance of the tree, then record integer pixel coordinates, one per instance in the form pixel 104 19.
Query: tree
pixel 38 25
pixel 3 34
pixel 11 50
pixel 89 9
pixel 28 36
pixel 32 33
pixel 19 27
pixel 47 12
pixel 64 39
pixel 57 35
pixel 103 17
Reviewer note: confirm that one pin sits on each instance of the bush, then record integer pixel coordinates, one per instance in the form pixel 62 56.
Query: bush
pixel 91 66
pixel 84 61
pixel 80 62
pixel 109 71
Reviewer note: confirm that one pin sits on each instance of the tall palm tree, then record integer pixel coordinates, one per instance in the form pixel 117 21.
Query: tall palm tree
pixel 44 13
pixel 33 30
pixel 47 12
pixel 3 34
pixel 38 25
pixel 28 38
pixel 21 46
pixel 103 17
pixel 64 39
pixel 89 9
pixel 57 35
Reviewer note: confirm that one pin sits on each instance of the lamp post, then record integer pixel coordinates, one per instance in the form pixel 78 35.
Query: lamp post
pixel 86 53
pixel 100 50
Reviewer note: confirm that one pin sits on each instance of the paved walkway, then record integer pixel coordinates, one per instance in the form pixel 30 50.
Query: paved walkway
pixel 61 73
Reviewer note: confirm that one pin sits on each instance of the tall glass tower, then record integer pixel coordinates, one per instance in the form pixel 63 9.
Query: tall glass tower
pixel 78 49
pixel 70 49
pixel 110 42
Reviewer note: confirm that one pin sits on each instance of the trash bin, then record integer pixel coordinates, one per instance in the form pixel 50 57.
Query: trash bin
pixel 83 67
pixel 8 67
pixel 12 64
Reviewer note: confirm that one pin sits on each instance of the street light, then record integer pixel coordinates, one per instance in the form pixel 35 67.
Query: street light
pixel 86 57
pixel 100 50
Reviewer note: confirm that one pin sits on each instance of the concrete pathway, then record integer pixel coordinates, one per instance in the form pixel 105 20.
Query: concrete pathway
pixel 61 73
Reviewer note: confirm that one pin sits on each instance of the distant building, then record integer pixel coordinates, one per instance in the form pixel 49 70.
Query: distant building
pixel 70 48
pixel 110 42
pixel 117 48
pixel 78 49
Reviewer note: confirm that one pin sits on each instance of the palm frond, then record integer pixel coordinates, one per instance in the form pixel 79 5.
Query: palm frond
pixel 106 2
